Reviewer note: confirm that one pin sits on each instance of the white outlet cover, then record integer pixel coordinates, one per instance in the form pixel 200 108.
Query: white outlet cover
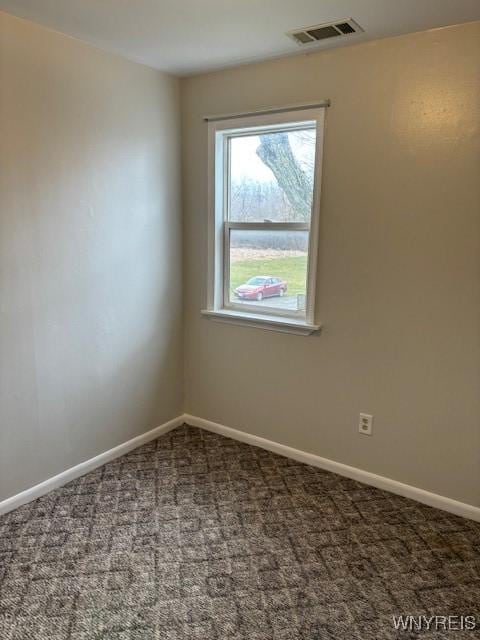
pixel 365 424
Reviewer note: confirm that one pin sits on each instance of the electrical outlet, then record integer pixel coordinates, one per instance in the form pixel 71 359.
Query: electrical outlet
pixel 365 424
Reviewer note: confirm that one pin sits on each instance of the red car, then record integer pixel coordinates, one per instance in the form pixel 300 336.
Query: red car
pixel 261 287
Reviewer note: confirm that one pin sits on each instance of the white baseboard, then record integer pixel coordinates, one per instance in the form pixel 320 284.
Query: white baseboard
pixel 84 467
pixel 420 495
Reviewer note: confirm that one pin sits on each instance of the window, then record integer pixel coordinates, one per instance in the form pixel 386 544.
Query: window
pixel 265 173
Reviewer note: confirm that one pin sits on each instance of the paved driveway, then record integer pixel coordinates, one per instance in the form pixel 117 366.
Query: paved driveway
pixel 286 302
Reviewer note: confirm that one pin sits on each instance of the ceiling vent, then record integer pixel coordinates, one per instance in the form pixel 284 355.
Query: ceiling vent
pixel 325 31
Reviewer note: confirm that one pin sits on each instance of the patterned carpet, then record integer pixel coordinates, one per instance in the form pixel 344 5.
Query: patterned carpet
pixel 195 536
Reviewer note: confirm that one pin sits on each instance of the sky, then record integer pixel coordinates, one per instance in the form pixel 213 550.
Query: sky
pixel 245 163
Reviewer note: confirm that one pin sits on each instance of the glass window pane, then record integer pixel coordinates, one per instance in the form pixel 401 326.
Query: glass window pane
pixel 268 269
pixel 271 176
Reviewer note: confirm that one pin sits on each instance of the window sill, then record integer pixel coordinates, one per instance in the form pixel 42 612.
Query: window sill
pixel 271 323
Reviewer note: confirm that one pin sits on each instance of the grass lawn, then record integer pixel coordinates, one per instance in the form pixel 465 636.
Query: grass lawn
pixel 291 269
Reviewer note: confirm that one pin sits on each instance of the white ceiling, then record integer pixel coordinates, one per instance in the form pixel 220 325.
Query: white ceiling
pixel 191 36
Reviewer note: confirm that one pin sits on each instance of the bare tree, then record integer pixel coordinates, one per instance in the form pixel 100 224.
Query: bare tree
pixel 276 153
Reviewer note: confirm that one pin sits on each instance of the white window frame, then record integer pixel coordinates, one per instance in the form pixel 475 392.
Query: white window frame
pixel 219 305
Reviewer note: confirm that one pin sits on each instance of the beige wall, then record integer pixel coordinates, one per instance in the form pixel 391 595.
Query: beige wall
pixel 91 268
pixel 90 252
pixel 399 269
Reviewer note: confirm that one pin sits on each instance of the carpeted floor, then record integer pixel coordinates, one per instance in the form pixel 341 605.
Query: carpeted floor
pixel 195 536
